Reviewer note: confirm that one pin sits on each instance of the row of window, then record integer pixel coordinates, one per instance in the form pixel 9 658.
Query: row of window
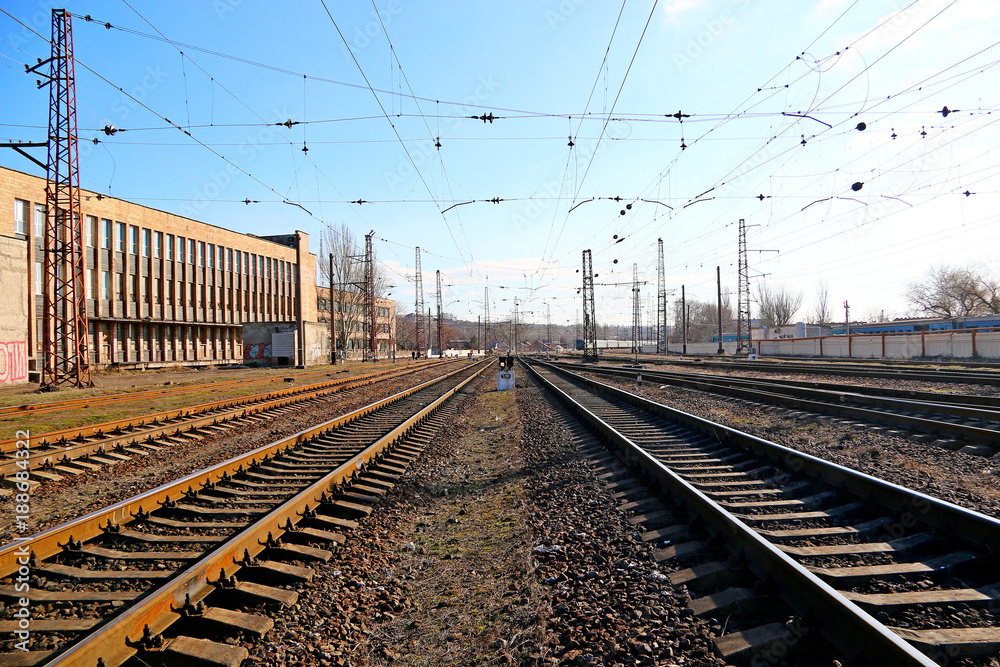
pixel 158 244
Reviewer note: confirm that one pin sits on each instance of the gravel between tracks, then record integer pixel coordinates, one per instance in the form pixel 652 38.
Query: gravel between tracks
pixel 499 547
pixel 53 503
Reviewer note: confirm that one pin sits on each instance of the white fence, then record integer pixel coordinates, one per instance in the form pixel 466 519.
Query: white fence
pixel 954 344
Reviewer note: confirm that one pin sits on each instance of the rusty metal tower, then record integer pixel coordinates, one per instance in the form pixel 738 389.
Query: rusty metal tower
pixel 419 340
pixel 743 294
pixel 371 324
pixel 486 331
pixel 661 302
pixel 65 351
pixel 636 316
pixel 589 319
pixel 440 313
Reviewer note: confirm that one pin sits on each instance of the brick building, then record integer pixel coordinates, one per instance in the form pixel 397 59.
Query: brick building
pixel 161 288
pixel 385 322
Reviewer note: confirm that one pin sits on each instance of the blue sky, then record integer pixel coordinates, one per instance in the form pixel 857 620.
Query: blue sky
pixel 772 92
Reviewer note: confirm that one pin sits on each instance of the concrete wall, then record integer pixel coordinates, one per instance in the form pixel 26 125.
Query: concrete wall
pixel 957 345
pixel 316 339
pixel 14 307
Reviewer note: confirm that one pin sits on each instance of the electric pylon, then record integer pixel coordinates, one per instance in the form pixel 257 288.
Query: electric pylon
pixel 370 312
pixel 743 294
pixel 65 350
pixel 419 340
pixel 636 322
pixel 440 313
pixel 589 319
pixel 661 302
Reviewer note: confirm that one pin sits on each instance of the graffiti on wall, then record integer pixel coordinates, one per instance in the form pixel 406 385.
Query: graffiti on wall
pixel 257 351
pixel 13 361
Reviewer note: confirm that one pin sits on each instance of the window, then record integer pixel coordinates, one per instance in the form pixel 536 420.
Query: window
pixel 38 277
pixel 135 288
pixel 134 238
pixel 106 282
pixel 229 259
pixel 211 255
pixel 170 292
pixel 90 283
pixel 121 287
pixel 39 220
pixel 201 253
pixel 170 246
pixel 146 237
pixel 20 217
pixel 180 249
pixel 158 247
pixel 238 261
pixel 268 265
pixel 121 237
pixel 191 251
pixel 158 292
pixel 106 234
pixel 91 231
pixel 281 269
pixel 253 265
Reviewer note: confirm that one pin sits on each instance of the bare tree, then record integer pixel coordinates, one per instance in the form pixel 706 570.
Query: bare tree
pixel 703 318
pixel 777 305
pixel 821 313
pixel 954 292
pixel 348 284
pixel 878 314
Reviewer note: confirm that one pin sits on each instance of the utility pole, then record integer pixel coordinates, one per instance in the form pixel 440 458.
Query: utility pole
pixel 847 318
pixel 636 321
pixel 479 328
pixel 548 327
pixel 418 309
pixel 718 287
pixel 589 319
pixel 440 313
pixel 428 328
pixel 515 327
pixel 661 302
pixel 65 351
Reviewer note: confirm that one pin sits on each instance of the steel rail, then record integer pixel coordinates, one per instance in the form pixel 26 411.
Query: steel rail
pixel 943 398
pixel 30 409
pixel 842 622
pixel 173 422
pixel 115 641
pixel 836 404
pixel 48 542
pixel 970 525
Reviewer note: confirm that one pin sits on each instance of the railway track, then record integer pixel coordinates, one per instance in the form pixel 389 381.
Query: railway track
pixel 962 422
pixel 78 450
pixel 938 374
pixel 169 575
pixel 875 572
pixel 32 409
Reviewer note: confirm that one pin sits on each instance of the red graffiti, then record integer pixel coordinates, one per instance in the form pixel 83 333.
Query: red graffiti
pixel 13 361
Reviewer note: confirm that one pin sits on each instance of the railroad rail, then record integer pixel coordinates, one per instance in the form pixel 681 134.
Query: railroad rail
pixel 75 451
pixel 31 409
pixel 939 374
pixel 959 421
pixel 889 576
pixel 167 573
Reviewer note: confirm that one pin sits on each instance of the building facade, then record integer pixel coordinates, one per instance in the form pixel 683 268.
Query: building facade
pixel 385 322
pixel 162 288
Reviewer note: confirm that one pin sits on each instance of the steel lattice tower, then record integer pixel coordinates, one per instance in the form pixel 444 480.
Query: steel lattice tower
pixel 743 295
pixel 65 350
pixel 486 306
pixel 661 302
pixel 636 321
pixel 369 312
pixel 589 319
pixel 418 309
pixel 440 313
